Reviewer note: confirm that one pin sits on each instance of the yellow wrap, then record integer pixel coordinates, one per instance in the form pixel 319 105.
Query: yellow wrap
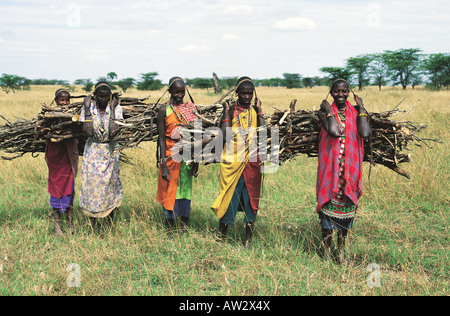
pixel 233 164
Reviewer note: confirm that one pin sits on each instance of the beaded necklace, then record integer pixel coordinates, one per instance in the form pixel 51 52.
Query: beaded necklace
pixel 178 114
pixel 238 120
pixel 341 115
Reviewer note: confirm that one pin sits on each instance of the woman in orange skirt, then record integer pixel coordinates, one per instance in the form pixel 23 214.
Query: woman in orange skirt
pixel 175 177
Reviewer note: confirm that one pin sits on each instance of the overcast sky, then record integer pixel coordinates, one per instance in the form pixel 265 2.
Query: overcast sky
pixel 192 38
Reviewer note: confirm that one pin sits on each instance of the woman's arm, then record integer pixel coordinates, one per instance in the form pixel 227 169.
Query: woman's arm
pixel 328 119
pixel 88 127
pixel 259 111
pixel 161 123
pixel 362 120
pixel 113 126
pixel 227 117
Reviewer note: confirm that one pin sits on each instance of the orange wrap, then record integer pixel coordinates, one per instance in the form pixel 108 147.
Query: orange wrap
pixel 167 191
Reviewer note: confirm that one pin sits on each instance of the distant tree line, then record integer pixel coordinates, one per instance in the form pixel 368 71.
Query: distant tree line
pixel 404 67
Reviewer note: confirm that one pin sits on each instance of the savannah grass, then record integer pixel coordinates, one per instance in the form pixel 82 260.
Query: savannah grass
pixel 402 225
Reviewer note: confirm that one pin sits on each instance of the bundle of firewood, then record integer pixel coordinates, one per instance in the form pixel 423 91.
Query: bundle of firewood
pixel 17 138
pixel 59 123
pixel 298 133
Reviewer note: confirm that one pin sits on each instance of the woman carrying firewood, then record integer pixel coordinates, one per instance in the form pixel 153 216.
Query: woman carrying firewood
pixel 62 162
pixel 339 176
pixel 240 168
pixel 101 190
pixel 175 176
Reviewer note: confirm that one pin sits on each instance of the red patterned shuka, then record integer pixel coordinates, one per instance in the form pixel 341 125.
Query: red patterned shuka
pixel 330 168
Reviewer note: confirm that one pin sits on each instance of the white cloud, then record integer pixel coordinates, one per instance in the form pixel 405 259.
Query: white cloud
pixel 295 24
pixel 96 55
pixel 239 9
pixel 190 48
pixel 231 37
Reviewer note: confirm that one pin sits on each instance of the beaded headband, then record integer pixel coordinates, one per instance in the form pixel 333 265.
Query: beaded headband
pixel 245 80
pixel 348 85
pixel 170 85
pixel 60 91
pixel 102 85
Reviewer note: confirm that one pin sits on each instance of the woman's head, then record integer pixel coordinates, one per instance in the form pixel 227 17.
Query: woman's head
pixel 102 94
pixel 245 90
pixel 62 97
pixel 177 90
pixel 340 90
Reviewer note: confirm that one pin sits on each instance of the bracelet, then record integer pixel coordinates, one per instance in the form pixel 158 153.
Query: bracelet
pixel 330 115
pixel 261 114
pixel 226 120
pixel 362 114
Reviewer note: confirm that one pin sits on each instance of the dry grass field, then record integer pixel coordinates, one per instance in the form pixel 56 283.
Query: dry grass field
pixel 402 225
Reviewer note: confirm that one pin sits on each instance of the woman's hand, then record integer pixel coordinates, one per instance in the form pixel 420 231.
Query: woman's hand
pixel 165 173
pixel 258 106
pixel 359 104
pixel 326 107
pixel 226 111
pixel 87 106
pixel 114 103
pixel 328 120
pixel 194 169
pixel 363 125
pixel 226 107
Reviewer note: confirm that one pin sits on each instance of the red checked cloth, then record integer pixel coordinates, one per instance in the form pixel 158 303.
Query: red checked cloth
pixel 328 168
pixel 185 110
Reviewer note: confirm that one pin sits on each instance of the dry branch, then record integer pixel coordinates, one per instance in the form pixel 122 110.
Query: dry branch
pixel 299 131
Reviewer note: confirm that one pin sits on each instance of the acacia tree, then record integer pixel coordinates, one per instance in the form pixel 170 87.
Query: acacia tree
pixel 125 84
pixel 379 70
pixel 86 83
pixel 271 82
pixel 228 82
pixel 111 76
pixel 292 80
pixel 88 86
pixel 200 83
pixel 437 68
pixel 308 82
pixel 359 66
pixel 337 73
pixel 403 64
pixel 148 82
pixel 12 83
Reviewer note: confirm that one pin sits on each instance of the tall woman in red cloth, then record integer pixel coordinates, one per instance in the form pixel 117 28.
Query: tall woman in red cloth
pixel 339 174
pixel 62 162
